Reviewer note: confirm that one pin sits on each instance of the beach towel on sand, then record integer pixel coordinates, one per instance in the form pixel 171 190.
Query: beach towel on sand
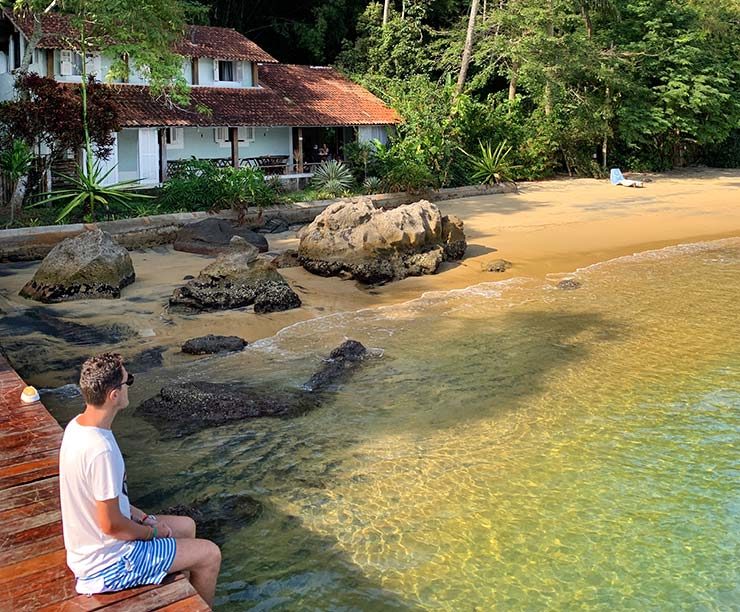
pixel 617 178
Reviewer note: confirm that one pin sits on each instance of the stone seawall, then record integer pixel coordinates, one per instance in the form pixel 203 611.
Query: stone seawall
pixel 31 243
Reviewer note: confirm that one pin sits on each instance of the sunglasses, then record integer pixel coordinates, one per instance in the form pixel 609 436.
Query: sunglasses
pixel 128 382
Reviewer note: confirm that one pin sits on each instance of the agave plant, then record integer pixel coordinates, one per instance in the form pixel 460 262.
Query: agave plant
pixel 372 184
pixel 491 167
pixel 88 192
pixel 332 177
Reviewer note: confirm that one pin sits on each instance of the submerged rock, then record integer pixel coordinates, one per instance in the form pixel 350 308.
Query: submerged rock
pixel 206 345
pixel 569 284
pixel 340 361
pixel 235 280
pixel 185 408
pixel 215 517
pixel 87 266
pixel 214 236
pixel 496 265
pixel 376 246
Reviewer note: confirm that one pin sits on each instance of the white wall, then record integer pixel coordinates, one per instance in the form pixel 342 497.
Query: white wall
pixel 200 142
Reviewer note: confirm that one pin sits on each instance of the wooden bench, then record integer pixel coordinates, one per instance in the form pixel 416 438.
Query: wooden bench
pixel 33 569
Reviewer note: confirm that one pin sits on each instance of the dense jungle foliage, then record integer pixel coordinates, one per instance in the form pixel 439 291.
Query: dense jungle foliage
pixel 572 85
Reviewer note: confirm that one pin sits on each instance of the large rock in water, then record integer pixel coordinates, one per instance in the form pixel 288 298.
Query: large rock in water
pixel 234 280
pixel 213 237
pixel 181 409
pixel 89 265
pixel 375 246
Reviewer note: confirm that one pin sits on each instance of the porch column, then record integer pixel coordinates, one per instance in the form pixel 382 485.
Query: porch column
pixel 50 63
pixel 234 138
pixel 300 150
pixel 162 142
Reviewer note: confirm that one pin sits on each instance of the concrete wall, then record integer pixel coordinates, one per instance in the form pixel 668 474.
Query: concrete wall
pixel 31 243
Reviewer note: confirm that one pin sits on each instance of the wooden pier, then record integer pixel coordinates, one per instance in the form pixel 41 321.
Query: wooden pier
pixel 33 569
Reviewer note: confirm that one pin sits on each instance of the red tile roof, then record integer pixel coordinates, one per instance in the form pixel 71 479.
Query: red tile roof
pixel 221 43
pixel 289 96
pixel 198 41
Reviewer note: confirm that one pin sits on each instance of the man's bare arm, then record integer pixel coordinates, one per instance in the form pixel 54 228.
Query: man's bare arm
pixel 114 524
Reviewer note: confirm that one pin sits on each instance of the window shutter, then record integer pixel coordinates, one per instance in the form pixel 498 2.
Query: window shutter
pixel 175 138
pixel 246 134
pixel 65 62
pixel 215 70
pixel 239 71
pixel 222 134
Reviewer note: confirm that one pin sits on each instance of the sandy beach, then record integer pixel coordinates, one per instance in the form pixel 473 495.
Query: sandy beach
pixel 548 228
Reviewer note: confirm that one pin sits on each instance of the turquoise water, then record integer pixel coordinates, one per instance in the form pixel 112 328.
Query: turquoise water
pixel 515 447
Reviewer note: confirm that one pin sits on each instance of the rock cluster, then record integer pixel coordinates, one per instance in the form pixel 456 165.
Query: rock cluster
pixel 375 246
pixel 87 266
pixel 184 408
pixel 234 280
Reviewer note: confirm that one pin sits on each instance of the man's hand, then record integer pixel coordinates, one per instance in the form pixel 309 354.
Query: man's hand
pixel 149 520
pixel 163 530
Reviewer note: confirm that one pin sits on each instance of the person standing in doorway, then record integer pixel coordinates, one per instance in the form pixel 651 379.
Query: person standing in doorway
pixel 112 545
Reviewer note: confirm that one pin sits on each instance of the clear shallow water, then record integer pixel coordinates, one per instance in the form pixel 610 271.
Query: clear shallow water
pixel 516 447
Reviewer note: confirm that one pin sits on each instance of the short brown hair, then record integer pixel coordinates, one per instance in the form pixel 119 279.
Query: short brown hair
pixel 99 376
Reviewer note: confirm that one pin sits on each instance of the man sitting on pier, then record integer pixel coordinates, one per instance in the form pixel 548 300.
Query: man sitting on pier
pixel 111 545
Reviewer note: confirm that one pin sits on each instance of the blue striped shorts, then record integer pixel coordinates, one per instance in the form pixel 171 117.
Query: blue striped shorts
pixel 146 562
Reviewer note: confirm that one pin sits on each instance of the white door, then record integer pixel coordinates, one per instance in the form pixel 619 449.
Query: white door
pixel 148 156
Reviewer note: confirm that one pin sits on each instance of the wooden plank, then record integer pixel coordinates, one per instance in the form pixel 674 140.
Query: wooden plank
pixel 37 508
pixel 194 603
pixel 32 548
pixel 39 531
pixel 25 524
pixel 32 565
pixel 21 495
pixel 19 445
pixel 28 472
pixel 32 456
pixel 84 603
pixel 39 589
pixel 151 600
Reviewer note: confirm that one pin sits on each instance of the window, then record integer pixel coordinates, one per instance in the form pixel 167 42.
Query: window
pixel 222 135
pixel 227 71
pixel 175 138
pixel 70 63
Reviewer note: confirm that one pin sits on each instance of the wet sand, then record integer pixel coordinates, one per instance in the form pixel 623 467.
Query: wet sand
pixel 548 228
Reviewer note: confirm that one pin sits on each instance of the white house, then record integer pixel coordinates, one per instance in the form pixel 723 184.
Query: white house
pixel 260 112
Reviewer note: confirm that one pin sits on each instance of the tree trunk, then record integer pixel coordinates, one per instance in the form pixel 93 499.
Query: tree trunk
pixel 513 80
pixel 550 31
pixel 468 50
pixel 587 19
pixel 386 10
pixel 16 200
pixel 605 142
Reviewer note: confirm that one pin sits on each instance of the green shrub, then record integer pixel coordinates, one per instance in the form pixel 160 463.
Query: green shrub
pixel 372 184
pixel 200 185
pixel 87 194
pixel 491 166
pixel 333 178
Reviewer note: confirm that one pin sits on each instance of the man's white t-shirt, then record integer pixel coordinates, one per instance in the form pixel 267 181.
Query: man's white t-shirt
pixel 91 469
